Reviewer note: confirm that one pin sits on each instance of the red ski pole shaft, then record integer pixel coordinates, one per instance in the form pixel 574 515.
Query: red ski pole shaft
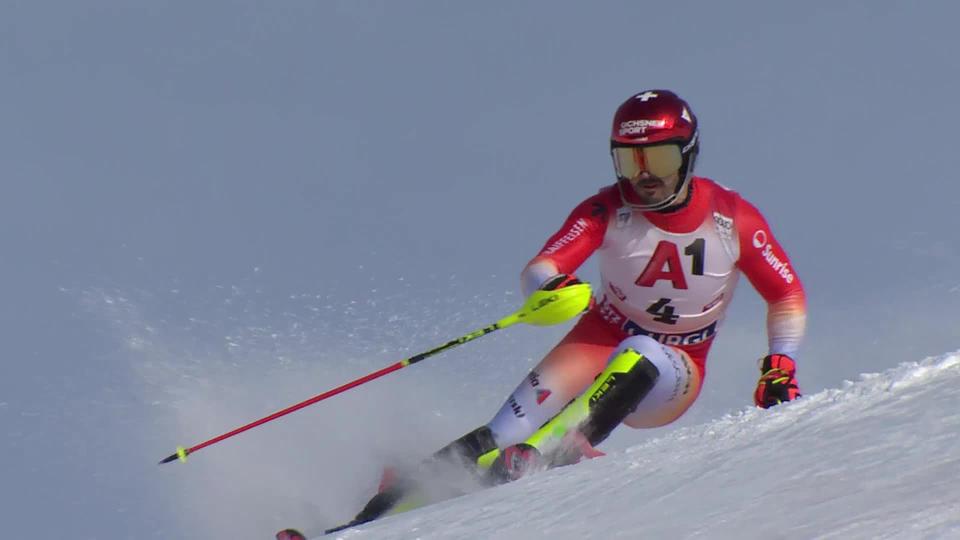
pixel 288 410
pixel 182 453
pixel 542 308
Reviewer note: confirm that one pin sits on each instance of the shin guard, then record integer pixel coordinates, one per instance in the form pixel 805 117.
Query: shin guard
pixel 614 394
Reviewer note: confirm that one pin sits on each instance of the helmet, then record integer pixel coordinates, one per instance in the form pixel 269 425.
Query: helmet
pixel 657 131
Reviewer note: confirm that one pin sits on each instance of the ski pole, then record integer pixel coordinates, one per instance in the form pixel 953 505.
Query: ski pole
pixel 542 308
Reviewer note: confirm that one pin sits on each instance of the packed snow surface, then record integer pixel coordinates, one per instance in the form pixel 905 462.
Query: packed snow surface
pixel 877 458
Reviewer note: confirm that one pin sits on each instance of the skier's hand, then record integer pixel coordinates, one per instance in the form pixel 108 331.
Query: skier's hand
pixel 778 381
pixel 559 281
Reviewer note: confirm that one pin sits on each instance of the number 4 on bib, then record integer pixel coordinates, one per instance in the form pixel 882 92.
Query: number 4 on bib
pixel 664 311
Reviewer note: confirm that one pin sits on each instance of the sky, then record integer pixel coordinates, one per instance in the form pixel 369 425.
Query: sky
pixel 211 211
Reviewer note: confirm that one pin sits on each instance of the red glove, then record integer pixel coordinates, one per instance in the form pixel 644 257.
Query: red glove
pixel 778 381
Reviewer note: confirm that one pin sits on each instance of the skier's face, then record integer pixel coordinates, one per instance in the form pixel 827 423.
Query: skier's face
pixel 653 190
pixel 652 171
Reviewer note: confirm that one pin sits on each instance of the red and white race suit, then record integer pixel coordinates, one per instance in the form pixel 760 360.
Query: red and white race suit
pixel 669 276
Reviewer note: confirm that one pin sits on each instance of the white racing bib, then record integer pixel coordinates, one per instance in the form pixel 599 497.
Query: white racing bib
pixel 672 287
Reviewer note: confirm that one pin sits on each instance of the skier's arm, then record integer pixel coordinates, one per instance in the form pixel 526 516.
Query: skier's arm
pixel 768 268
pixel 581 234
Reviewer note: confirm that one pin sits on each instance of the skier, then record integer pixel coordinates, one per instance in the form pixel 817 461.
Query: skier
pixel 671 247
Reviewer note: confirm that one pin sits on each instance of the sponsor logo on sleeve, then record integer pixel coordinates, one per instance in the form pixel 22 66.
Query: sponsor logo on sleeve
pixel 575 231
pixel 759 239
pixel 780 267
pixel 598 209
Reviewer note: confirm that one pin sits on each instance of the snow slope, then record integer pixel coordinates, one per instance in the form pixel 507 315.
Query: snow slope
pixel 878 458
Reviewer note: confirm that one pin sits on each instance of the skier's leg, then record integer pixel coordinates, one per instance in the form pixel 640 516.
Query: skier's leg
pixel 562 375
pixel 677 388
pixel 569 368
pixel 644 381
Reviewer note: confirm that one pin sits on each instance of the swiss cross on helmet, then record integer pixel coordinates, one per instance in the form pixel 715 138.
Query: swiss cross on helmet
pixel 654 131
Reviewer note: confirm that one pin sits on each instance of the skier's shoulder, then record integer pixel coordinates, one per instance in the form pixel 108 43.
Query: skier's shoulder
pixel 715 190
pixel 609 196
pixel 726 199
pixel 600 204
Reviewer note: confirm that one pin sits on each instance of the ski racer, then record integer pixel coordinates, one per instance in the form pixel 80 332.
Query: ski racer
pixel 671 247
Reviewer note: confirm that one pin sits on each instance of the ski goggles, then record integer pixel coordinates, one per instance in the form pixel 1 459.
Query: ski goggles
pixel 660 160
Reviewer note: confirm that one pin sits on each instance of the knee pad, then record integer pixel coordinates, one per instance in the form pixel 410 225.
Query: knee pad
pixel 645 345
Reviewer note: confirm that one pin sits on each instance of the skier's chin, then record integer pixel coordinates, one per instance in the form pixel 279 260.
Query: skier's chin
pixel 651 192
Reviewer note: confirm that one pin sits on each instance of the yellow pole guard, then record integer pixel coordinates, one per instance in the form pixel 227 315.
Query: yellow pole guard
pixel 545 308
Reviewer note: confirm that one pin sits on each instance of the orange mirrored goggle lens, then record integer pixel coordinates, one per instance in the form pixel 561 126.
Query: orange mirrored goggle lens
pixel 661 160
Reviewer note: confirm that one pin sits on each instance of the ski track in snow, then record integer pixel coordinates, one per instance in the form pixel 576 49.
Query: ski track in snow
pixel 877 458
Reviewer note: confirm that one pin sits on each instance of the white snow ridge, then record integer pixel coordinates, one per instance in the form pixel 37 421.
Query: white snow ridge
pixel 878 458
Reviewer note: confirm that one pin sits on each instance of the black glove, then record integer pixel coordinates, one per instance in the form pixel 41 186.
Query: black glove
pixel 559 281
